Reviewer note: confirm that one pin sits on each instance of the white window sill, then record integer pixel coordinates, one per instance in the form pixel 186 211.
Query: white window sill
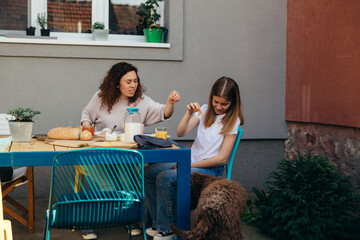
pixel 84 39
pixel 62 46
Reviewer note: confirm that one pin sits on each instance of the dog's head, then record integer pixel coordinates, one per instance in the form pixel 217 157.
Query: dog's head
pixel 198 182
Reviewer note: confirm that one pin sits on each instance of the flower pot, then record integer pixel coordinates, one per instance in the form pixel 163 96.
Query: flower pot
pixel 154 33
pixel 100 34
pixel 30 31
pixel 45 32
pixel 21 131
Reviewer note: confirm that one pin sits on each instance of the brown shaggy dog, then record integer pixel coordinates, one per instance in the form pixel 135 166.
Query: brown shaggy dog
pixel 219 204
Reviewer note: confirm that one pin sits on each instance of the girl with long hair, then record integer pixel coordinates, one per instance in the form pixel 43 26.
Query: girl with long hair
pixel 217 124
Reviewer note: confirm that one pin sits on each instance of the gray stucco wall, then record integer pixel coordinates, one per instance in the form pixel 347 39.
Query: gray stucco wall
pixel 242 39
pixel 254 161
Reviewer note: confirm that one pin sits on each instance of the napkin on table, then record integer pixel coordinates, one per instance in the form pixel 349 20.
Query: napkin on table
pixel 4 143
pixel 147 142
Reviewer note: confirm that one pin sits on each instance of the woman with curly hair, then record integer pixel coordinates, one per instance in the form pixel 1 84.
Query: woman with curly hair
pixel 121 89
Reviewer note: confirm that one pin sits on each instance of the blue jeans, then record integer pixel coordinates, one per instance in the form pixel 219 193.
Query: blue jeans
pixel 160 190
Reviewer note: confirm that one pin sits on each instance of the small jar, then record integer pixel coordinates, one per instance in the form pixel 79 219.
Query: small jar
pixel 90 129
pixel 132 124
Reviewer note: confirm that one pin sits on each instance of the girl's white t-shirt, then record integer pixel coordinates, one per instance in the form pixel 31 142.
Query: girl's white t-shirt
pixel 208 141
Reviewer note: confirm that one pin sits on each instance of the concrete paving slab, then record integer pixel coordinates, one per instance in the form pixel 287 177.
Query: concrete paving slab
pixel 20 232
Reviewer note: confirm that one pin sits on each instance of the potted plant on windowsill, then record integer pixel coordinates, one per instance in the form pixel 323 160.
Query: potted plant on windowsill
pixel 99 32
pixel 42 21
pixel 30 31
pixel 148 22
pixel 21 124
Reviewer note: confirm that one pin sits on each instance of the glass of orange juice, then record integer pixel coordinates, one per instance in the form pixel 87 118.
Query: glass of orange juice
pixel 90 129
pixel 161 132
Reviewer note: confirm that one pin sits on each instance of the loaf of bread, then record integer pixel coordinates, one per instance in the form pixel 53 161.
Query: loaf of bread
pixel 65 133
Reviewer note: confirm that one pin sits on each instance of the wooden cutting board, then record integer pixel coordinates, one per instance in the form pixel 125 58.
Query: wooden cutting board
pixel 68 143
pixel 116 144
pixel 92 143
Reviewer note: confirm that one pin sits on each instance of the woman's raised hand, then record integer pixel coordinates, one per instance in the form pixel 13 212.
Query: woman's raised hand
pixel 174 97
pixel 86 124
pixel 169 107
pixel 194 107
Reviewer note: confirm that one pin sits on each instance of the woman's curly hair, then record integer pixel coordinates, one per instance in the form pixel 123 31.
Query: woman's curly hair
pixel 109 88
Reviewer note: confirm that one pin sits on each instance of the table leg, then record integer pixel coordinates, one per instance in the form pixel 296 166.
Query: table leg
pixel 183 194
pixel 30 177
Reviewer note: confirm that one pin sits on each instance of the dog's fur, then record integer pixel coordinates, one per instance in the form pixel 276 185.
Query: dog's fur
pixel 219 205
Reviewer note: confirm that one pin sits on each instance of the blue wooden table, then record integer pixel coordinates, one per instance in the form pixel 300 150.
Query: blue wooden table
pixel 40 154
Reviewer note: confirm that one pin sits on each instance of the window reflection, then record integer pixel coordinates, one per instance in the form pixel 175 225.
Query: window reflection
pixel 123 18
pixel 13 14
pixel 69 16
pixel 72 15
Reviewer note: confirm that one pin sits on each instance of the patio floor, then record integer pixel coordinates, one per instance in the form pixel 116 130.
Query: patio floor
pixel 20 232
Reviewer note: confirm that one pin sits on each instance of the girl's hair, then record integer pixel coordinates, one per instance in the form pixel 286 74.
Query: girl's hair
pixel 109 88
pixel 227 88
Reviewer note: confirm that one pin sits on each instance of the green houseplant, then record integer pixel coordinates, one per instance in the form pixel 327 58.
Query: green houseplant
pixel 149 19
pixel 21 124
pixel 42 21
pixel 99 31
pixel 307 198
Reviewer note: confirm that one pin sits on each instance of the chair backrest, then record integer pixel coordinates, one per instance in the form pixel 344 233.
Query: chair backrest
pixel 232 155
pixel 5 225
pixel 96 188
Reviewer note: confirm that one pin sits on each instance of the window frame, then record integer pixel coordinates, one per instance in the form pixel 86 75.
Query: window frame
pixel 99 13
pixel 118 47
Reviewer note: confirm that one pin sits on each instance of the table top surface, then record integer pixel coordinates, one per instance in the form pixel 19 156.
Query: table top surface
pixel 39 153
pixel 40 146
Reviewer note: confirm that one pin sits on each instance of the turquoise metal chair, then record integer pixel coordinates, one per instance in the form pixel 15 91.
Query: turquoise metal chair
pixel 232 155
pixel 96 188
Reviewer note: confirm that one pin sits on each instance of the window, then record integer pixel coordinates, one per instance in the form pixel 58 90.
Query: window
pixel 73 44
pixel 123 18
pixel 74 16
pixel 13 14
pixel 69 16
pixel 120 16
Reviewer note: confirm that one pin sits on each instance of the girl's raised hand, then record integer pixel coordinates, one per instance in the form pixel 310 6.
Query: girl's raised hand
pixel 174 97
pixel 194 107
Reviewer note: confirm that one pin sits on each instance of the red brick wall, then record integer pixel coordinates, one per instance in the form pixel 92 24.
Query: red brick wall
pixel 13 14
pixel 323 62
pixel 64 16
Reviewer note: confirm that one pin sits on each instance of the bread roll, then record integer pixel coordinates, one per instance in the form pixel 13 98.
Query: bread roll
pixel 85 135
pixel 65 133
